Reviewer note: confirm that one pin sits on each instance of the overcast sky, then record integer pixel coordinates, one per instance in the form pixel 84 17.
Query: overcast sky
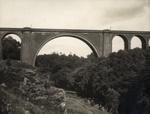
pixel 76 14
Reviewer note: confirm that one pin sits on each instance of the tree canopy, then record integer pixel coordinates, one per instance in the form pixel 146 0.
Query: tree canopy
pixel 11 48
pixel 120 82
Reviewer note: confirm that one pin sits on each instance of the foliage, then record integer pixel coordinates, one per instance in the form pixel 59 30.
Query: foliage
pixel 11 77
pixel 11 48
pixel 24 91
pixel 10 104
pixel 119 82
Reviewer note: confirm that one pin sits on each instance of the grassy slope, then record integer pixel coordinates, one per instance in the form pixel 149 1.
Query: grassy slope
pixel 77 105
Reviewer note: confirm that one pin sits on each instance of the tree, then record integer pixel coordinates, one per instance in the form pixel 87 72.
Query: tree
pixel 11 48
pixel 147 72
pixel 112 100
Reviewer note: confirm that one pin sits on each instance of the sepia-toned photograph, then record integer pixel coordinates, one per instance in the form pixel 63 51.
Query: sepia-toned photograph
pixel 74 56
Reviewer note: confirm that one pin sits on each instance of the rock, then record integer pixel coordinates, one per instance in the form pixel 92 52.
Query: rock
pixel 42 106
pixel 96 106
pixel 41 97
pixel 25 81
pixel 39 90
pixel 63 106
pixel 27 112
pixel 71 92
pixel 3 85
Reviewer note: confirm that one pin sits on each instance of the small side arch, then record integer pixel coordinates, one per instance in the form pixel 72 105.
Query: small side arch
pixel 126 47
pixel 143 41
pixel 17 51
pixel 67 35
pixel 9 33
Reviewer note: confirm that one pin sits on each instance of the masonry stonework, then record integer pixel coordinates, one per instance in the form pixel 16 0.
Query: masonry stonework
pixel 100 41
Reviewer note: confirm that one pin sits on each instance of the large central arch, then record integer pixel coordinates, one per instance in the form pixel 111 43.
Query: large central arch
pixel 66 35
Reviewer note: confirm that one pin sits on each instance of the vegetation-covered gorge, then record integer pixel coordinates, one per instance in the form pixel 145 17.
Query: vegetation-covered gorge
pixel 119 83
pixel 25 89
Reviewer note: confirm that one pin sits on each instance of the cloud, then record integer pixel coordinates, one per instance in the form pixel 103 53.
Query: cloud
pixel 122 11
pixel 74 14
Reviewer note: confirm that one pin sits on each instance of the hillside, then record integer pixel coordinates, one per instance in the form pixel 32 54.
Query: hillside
pixel 27 91
pixel 78 105
pixel 118 83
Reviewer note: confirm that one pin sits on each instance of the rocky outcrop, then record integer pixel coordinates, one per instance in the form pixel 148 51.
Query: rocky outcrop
pixel 32 91
pixel 36 91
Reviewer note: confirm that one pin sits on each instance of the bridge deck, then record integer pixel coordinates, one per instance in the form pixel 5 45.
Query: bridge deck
pixel 74 30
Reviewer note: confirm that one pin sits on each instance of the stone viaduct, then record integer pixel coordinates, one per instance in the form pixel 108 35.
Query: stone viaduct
pixel 100 41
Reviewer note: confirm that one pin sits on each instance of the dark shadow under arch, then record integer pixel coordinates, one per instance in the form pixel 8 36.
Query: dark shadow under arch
pixel 68 35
